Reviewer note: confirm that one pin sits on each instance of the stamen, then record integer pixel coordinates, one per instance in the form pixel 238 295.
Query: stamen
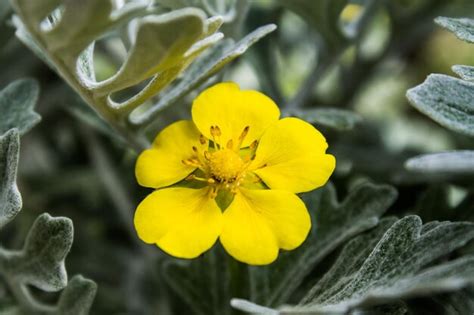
pixel 216 133
pixel 191 162
pixel 202 140
pixel 242 137
pixel 201 179
pixel 254 145
pixel 213 193
pixel 230 144
pixel 244 133
pixel 207 155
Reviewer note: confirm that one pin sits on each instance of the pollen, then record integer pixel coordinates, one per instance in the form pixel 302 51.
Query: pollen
pixel 225 165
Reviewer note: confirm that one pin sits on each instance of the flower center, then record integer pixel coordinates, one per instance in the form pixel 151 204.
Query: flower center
pixel 225 165
pixel 221 167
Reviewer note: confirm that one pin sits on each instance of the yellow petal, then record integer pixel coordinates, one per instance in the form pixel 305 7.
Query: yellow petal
pixel 291 156
pixel 231 109
pixel 162 165
pixel 183 222
pixel 259 222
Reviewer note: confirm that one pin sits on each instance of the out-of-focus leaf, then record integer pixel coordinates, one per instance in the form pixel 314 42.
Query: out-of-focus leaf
pixel 446 100
pixel 465 72
pixel 78 296
pixel 4 9
pixel 456 162
pixel 333 223
pixel 201 70
pixel 323 16
pixel 204 283
pixel 41 262
pixel 329 117
pixel 457 303
pixel 10 198
pixel 16 106
pixel 399 266
pixel 463 28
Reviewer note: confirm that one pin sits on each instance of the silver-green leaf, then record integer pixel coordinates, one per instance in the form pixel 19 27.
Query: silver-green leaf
pixel 446 100
pixel 333 224
pixel 78 296
pixel 41 262
pixel 463 28
pixel 201 70
pixel 399 266
pixel 465 72
pixel 10 198
pixel 16 106
pixel 454 162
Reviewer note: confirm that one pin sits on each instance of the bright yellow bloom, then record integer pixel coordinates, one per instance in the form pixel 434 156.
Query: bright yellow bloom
pixel 231 173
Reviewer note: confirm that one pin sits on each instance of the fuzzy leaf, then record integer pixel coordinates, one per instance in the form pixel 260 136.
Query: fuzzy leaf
pixel 456 162
pixel 201 70
pixel 16 106
pixel 463 28
pixel 41 262
pixel 399 266
pixel 333 224
pixel 160 47
pixel 446 100
pixel 465 72
pixel 78 296
pixel 329 117
pixel 10 198
pixel 155 48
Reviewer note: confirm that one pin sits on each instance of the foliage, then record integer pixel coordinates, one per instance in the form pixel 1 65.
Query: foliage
pixel 40 263
pixel 399 240
pixel 64 35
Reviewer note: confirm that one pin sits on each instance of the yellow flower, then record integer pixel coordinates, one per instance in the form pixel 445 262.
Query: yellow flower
pixel 231 173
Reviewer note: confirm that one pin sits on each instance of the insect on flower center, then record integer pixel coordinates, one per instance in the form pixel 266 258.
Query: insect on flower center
pixel 225 165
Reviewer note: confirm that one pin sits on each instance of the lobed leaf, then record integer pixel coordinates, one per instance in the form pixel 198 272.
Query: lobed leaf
pixel 400 265
pixel 446 100
pixel 10 198
pixel 41 262
pixel 201 70
pixel 463 28
pixel 454 162
pixel 333 224
pixel 160 47
pixel 465 72
pixel 16 106
pixel 78 297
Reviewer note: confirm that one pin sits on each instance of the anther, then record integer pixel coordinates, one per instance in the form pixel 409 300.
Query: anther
pixel 200 179
pixel 191 162
pixel 202 139
pixel 230 144
pixel 253 145
pixel 207 155
pixel 244 133
pixel 216 133
pixel 195 149
pixel 242 136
